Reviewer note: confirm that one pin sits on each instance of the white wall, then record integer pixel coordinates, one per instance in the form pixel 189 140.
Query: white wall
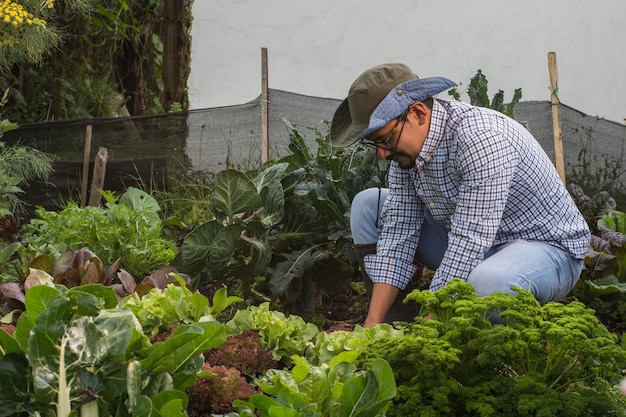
pixel 319 47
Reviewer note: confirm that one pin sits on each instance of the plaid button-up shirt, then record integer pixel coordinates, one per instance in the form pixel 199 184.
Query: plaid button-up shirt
pixel 487 179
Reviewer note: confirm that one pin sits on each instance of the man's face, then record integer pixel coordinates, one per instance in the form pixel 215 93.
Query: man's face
pixel 401 140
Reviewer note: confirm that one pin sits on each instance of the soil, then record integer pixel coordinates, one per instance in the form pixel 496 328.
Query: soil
pixel 345 309
pixel 339 311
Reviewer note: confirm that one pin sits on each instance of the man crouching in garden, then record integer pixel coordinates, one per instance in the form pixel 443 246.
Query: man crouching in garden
pixel 471 195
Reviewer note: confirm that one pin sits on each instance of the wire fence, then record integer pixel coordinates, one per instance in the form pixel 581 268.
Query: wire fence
pixel 154 149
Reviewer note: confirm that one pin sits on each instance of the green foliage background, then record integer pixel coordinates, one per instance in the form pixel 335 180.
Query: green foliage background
pixel 109 54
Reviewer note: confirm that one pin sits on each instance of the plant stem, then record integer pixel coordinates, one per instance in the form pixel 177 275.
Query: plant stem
pixel 89 410
pixel 64 406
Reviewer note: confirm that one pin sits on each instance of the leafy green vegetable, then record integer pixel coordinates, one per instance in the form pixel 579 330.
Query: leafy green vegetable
pixel 130 230
pixel 284 227
pixel 76 346
pixel 602 284
pixel 478 94
pixel 234 194
pixel 593 207
pixel 552 360
pixel 334 389
pixel 612 227
pixel 297 279
pixel 280 335
pixel 330 344
pixel 175 304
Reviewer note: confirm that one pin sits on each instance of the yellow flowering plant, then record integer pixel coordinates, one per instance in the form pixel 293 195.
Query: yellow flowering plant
pixel 15 14
pixel 25 35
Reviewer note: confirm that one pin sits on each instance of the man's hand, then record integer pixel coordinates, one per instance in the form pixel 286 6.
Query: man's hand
pixel 383 296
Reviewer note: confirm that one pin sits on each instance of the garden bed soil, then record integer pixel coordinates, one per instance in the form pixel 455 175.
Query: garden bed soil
pixel 340 310
pixel 336 311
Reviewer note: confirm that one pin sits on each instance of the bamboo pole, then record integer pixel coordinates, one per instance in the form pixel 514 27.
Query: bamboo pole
pixel 556 118
pixel 86 158
pixel 265 139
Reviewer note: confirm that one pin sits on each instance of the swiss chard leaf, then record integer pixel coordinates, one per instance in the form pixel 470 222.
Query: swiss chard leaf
pixel 15 396
pixel 8 344
pixel 185 344
pixel 77 332
pixel 38 299
pixel 171 403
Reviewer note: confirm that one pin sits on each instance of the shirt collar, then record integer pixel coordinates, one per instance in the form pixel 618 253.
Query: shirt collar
pixel 435 133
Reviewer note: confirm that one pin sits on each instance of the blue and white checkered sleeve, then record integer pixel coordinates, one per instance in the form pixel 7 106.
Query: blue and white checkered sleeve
pixel 402 216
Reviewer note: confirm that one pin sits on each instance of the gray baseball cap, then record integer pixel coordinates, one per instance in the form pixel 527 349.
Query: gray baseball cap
pixel 377 97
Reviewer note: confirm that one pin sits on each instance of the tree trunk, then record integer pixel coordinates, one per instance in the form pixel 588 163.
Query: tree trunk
pixel 175 52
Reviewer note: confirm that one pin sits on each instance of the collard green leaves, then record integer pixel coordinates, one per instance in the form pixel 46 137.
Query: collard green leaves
pixel 267 220
pixel 234 194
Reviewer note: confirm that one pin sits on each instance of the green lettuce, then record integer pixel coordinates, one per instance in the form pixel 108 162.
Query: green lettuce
pixel 279 334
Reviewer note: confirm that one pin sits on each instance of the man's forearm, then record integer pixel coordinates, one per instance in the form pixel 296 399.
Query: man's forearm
pixel 383 296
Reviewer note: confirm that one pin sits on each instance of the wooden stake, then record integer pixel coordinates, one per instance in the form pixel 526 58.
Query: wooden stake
pixel 99 170
pixel 556 118
pixel 265 139
pixel 86 159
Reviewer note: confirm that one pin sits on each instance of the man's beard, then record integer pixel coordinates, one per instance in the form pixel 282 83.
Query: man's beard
pixel 402 156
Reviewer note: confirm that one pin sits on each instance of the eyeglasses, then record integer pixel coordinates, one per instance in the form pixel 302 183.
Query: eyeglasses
pixel 384 143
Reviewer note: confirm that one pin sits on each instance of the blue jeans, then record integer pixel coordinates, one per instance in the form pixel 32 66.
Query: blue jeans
pixel 548 272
